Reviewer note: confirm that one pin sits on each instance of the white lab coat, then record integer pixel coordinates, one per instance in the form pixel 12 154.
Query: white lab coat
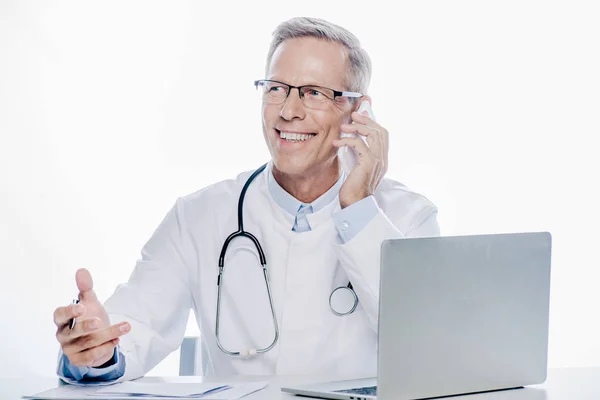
pixel 178 271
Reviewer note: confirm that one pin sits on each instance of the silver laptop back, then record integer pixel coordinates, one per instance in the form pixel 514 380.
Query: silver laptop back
pixel 463 314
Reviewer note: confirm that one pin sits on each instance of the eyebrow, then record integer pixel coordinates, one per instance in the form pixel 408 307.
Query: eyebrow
pixel 306 84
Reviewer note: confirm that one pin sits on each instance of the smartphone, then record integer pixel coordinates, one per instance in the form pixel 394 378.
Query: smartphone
pixel 347 155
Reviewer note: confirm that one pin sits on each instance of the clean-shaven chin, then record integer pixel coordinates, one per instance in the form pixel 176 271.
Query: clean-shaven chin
pixel 294 139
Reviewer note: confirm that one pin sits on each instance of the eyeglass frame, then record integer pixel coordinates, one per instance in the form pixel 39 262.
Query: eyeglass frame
pixel 336 93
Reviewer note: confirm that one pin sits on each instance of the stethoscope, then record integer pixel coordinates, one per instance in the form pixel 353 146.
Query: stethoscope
pixel 342 301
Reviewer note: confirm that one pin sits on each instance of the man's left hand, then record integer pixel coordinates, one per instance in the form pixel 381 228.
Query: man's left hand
pixel 372 160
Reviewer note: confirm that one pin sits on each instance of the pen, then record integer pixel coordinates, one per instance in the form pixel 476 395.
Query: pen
pixel 72 323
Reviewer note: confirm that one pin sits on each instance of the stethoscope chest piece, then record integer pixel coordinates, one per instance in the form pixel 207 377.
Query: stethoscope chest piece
pixel 343 300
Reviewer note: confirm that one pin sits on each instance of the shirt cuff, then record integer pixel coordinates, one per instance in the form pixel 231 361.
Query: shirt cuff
pixel 90 374
pixel 352 219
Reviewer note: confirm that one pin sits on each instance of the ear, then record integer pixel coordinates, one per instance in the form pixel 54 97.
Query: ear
pixel 360 100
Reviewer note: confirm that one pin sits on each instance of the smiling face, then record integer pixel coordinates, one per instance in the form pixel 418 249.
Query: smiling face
pixel 300 138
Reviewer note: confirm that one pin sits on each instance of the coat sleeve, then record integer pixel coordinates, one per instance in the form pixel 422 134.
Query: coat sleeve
pixel 156 300
pixel 399 214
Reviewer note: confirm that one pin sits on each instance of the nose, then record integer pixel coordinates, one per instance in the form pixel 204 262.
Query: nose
pixel 292 107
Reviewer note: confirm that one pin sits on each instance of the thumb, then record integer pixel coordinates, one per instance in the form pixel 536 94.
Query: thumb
pixel 85 284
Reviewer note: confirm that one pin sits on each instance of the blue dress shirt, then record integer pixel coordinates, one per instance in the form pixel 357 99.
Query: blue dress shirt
pixel 348 221
pixel 89 374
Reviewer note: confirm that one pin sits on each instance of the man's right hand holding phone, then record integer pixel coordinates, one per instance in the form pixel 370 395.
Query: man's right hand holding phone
pixel 92 341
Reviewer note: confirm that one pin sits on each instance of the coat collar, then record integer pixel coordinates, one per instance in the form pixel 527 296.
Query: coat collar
pixel 291 205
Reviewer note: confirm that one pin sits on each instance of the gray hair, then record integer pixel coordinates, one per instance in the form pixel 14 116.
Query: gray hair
pixel 359 70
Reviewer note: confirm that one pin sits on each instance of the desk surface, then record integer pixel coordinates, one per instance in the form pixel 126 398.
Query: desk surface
pixel 562 384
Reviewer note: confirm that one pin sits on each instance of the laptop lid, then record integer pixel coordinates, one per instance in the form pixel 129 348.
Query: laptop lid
pixel 463 314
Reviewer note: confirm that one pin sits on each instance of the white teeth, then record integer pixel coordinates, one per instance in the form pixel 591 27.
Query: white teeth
pixel 295 136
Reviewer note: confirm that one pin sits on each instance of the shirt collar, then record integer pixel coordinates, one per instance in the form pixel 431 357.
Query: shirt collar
pixel 291 205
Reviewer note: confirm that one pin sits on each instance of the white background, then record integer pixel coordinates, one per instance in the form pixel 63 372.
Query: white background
pixel 111 110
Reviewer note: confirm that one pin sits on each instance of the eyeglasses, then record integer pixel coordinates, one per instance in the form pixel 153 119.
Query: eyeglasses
pixel 319 97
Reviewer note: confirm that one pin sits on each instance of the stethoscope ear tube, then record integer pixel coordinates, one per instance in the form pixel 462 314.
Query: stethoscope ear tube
pixel 263 262
pixel 249 352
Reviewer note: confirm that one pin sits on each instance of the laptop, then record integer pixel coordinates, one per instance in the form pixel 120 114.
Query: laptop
pixel 457 315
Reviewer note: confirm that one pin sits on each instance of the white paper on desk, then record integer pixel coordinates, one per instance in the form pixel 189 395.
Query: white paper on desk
pixel 237 391
pixel 194 390
pixel 65 392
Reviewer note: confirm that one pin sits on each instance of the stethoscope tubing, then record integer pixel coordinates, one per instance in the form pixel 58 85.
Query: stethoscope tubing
pixel 220 279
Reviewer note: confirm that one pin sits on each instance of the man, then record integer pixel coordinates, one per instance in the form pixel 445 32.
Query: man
pixel 319 227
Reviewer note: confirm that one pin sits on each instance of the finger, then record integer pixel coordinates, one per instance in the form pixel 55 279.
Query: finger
pixel 363 118
pixel 88 357
pixel 380 146
pixel 96 338
pixel 356 143
pixel 359 128
pixel 82 327
pixel 366 120
pixel 63 315
pixel 372 130
pixel 85 284
pixel 374 139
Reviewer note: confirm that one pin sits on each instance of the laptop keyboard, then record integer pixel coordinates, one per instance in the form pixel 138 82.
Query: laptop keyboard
pixel 369 390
